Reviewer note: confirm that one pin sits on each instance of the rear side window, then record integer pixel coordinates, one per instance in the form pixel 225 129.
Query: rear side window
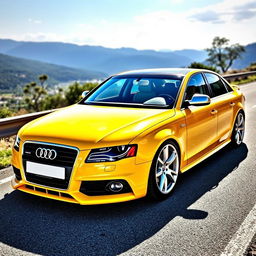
pixel 217 86
pixel 227 85
pixel 195 85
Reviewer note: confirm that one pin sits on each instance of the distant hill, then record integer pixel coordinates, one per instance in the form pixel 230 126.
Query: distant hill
pixel 195 55
pixel 17 71
pixel 247 58
pixel 107 60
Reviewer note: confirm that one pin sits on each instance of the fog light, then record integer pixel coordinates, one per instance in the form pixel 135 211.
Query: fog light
pixel 115 186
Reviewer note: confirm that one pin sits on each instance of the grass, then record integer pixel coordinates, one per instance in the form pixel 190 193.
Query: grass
pixel 249 79
pixel 6 152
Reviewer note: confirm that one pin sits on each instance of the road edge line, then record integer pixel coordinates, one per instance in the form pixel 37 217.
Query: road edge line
pixel 242 238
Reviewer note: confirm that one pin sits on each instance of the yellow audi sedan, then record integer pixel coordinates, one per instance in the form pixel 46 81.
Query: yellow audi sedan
pixel 128 138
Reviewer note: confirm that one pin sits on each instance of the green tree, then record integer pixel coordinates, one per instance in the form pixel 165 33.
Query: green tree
pixel 222 55
pixel 202 66
pixel 56 100
pixel 34 97
pixel 42 78
pixel 74 91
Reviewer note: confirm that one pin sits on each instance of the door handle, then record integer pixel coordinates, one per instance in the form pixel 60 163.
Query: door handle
pixel 214 112
pixel 232 104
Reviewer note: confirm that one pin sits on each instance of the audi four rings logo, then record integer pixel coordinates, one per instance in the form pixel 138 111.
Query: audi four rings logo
pixel 45 153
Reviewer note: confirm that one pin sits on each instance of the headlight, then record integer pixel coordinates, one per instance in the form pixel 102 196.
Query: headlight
pixel 111 154
pixel 16 145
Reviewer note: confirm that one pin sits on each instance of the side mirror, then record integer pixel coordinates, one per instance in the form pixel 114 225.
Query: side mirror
pixel 199 100
pixel 84 93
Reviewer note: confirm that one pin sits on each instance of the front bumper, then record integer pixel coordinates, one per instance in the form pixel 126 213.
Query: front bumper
pixel 136 175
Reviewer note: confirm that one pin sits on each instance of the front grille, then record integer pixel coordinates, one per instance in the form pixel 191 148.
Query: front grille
pixel 49 192
pixel 66 157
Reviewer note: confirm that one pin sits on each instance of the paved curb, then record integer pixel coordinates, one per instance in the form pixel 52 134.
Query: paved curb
pixel 6 172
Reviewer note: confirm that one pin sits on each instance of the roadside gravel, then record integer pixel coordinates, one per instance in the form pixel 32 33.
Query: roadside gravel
pixel 6 172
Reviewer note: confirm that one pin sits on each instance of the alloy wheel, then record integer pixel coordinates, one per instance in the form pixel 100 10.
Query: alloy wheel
pixel 239 129
pixel 167 169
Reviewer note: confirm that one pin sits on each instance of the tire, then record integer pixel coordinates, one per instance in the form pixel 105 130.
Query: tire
pixel 238 130
pixel 164 171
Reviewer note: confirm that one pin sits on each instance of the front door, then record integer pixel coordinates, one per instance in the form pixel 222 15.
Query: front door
pixel 201 121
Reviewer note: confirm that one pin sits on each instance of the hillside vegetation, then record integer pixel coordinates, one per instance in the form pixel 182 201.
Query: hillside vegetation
pixel 17 71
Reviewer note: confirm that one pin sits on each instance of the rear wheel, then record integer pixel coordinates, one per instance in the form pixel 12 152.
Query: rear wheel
pixel 164 171
pixel 238 130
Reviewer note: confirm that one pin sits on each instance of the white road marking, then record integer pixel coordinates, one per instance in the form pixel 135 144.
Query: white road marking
pixel 6 180
pixel 242 238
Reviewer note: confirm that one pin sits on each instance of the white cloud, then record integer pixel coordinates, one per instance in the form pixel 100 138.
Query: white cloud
pixel 171 30
pixel 227 10
pixel 34 21
pixel 167 29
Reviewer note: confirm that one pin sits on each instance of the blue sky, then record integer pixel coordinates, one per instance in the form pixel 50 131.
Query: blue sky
pixel 142 24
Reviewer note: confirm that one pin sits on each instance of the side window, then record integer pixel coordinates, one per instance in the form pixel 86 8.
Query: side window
pixel 228 87
pixel 195 85
pixel 217 86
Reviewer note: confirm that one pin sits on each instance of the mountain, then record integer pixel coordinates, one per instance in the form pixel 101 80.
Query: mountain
pixel 108 60
pixel 17 71
pixel 248 57
pixel 104 59
pixel 7 45
pixel 195 55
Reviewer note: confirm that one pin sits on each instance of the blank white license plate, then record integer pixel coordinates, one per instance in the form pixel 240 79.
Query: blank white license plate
pixel 46 170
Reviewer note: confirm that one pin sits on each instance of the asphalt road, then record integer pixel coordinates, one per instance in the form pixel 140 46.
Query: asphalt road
pixel 209 204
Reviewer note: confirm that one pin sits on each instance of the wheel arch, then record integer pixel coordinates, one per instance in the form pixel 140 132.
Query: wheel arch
pixel 177 144
pixel 236 114
pixel 240 110
pixel 152 192
pixel 233 131
pixel 149 144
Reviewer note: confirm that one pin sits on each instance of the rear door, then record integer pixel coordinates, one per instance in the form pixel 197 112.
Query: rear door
pixel 224 100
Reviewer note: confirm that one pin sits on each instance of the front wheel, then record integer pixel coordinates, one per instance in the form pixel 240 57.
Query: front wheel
pixel 238 130
pixel 164 171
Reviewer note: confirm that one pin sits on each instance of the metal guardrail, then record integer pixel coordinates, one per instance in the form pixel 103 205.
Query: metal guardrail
pixel 10 126
pixel 232 77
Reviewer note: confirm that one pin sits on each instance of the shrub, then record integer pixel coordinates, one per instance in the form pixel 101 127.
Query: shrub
pixel 6 152
pixel 202 66
pixel 5 112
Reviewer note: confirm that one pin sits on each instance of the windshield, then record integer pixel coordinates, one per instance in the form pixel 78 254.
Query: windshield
pixel 134 91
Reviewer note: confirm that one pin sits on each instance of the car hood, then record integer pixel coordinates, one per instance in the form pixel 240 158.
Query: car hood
pixel 90 126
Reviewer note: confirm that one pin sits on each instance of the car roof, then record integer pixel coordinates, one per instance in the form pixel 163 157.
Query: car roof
pixel 179 72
